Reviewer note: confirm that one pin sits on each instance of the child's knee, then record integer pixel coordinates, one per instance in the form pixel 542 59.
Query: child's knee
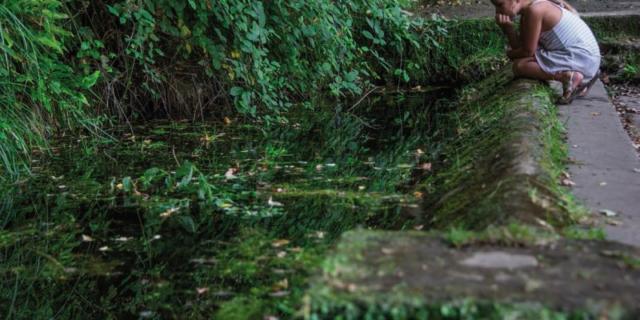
pixel 517 66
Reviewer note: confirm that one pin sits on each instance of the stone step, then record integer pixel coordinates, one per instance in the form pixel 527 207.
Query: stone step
pixel 415 273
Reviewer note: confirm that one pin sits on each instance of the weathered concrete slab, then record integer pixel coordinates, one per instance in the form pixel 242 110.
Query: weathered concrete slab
pixel 414 270
pixel 604 163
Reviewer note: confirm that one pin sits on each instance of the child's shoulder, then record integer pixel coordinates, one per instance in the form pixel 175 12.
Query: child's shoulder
pixel 539 9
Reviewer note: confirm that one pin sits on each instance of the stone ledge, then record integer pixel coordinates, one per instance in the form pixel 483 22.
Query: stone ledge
pixel 505 171
pixel 377 272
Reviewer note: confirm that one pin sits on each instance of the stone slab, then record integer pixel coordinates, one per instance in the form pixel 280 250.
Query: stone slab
pixel 392 268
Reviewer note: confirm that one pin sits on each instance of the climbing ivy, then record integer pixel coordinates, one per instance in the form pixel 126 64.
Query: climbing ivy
pixel 268 56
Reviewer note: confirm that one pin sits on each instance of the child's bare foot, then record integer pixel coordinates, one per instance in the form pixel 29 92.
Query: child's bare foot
pixel 587 86
pixel 571 80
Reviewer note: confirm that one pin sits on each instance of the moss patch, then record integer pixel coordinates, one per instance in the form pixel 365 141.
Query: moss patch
pixel 502 160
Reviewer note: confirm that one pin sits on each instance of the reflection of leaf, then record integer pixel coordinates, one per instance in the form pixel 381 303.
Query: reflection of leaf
pixel 185 174
pixel 187 223
pixel 221 203
pixel 127 184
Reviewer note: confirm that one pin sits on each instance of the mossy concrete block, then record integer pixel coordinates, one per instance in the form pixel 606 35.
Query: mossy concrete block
pixel 411 274
pixel 493 169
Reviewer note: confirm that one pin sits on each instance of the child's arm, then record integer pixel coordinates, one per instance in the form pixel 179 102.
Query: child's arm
pixel 530 28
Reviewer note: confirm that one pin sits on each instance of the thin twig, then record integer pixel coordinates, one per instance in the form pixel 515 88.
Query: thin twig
pixel 173 151
pixel 362 98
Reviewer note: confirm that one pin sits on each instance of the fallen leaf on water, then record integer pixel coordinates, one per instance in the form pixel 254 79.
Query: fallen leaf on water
pixel 608 213
pixel 280 285
pixel 70 270
pixel 387 251
pixel 279 243
pixel 204 260
pixel 279 294
pixel 272 203
pixel 202 290
pixel 229 175
pixel 169 212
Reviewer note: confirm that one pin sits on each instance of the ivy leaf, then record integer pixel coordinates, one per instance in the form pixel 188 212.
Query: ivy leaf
pixel 90 80
pixel 192 4
pixel 187 223
pixel 235 91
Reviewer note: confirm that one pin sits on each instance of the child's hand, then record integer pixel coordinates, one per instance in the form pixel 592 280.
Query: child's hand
pixel 504 21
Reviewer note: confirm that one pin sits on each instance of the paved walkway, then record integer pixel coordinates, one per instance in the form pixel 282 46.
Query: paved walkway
pixel 605 168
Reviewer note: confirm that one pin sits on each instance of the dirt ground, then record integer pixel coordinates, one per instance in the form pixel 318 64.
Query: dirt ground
pixel 626 99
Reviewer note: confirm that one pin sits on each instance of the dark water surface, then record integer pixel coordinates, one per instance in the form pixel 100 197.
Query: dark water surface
pixel 181 220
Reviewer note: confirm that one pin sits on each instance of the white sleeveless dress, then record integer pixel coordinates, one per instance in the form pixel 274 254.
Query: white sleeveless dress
pixel 570 45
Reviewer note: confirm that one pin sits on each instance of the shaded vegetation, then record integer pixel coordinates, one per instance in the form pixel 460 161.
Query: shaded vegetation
pixel 319 118
pixel 39 91
pixel 209 219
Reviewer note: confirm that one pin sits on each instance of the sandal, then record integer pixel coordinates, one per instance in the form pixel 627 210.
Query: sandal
pixel 569 93
pixel 586 87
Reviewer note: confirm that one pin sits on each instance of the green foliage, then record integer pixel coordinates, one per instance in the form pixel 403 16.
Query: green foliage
pixel 582 233
pixel 513 234
pixel 631 69
pixel 38 90
pixel 266 57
